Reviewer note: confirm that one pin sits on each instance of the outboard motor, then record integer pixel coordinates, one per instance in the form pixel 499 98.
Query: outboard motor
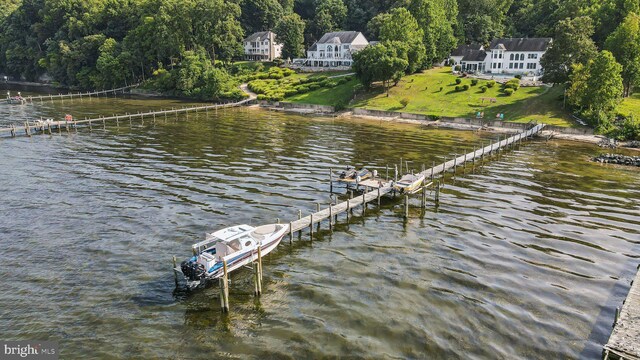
pixel 192 270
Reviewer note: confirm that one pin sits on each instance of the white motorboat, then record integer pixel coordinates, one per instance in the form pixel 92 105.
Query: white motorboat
pixel 237 245
pixel 409 183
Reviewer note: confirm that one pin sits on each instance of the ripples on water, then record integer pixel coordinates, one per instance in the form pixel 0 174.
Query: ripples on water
pixel 527 257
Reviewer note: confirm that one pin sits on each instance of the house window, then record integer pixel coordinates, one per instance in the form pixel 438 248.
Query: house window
pixel 499 65
pixel 533 56
pixel 494 66
pixel 500 55
pixel 510 58
pixel 532 66
pixel 521 65
pixel 511 65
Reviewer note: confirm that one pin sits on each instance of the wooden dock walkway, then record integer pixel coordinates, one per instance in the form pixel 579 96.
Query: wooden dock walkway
pixel 80 95
pixel 387 187
pixel 624 342
pixel 33 127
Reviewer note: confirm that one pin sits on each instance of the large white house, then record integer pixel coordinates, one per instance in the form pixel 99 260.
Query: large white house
pixel 334 49
pixel 503 56
pixel 262 46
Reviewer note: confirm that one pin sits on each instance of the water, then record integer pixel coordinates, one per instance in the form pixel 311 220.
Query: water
pixel 527 256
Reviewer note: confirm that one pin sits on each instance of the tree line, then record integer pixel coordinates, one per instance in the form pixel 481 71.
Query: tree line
pixel 107 43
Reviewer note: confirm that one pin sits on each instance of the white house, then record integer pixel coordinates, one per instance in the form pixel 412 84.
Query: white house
pixel 334 49
pixel 262 46
pixel 503 56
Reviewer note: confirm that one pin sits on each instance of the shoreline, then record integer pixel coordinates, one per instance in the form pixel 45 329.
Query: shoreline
pixel 549 134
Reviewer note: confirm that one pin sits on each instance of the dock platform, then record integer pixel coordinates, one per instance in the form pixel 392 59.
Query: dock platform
pixel 624 342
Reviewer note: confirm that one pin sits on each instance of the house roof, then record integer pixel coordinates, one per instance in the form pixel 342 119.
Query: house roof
pixel 464 48
pixel 314 47
pixel 253 37
pixel 521 44
pixel 345 37
pixel 334 40
pixel 474 55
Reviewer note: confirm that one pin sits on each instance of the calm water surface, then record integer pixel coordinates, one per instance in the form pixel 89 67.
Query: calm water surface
pixel 527 256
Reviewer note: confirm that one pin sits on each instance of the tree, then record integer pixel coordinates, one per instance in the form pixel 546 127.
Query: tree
pixel 290 32
pixel 360 13
pixel 329 16
pixel 624 44
pixel 435 18
pixel 571 45
pixel 379 62
pixel 399 25
pixel 482 20
pixel 596 89
pixel 260 15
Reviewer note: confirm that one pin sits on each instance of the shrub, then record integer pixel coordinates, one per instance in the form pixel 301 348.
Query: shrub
pixel 465 87
pixel 483 89
pixel 341 105
pixel 314 86
pixel 474 82
pixel 518 76
pixel 457 68
pixel 630 129
pixel 458 88
pixel 508 91
pixel 441 88
pixel 348 78
pixel 512 84
pixel 491 84
pixel 458 81
pixel 262 97
pixel 404 102
pixel 290 92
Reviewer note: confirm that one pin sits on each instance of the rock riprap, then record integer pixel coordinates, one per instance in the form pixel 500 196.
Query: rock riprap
pixel 618 159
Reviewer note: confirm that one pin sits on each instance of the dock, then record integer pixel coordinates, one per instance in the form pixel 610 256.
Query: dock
pixel 624 342
pixel 384 188
pixel 373 190
pixel 79 95
pixel 34 127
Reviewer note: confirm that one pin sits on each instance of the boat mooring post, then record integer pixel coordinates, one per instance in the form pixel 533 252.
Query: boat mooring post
pixel 364 200
pixel 406 206
pixel 424 194
pixel 433 165
pixel 331 217
pixel 311 226
pixel 318 211
pixel 378 196
pixel 350 197
pixel 437 194
pixel 330 181
pixel 396 173
pixel 257 273
pixel 175 265
pixel 387 173
pixel 290 232
pixel 224 288
pixel 347 211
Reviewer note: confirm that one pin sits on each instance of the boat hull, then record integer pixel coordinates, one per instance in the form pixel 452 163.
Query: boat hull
pixel 239 260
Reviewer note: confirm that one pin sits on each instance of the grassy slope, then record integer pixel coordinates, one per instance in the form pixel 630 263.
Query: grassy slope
pixel 425 97
pixel 423 91
pixel 333 96
pixel 630 106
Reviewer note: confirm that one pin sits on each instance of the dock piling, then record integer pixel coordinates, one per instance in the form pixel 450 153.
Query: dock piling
pixel 224 288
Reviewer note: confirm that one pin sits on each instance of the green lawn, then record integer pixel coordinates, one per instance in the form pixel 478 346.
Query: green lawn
pixel 542 104
pixel 340 94
pixel 433 93
pixel 630 106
